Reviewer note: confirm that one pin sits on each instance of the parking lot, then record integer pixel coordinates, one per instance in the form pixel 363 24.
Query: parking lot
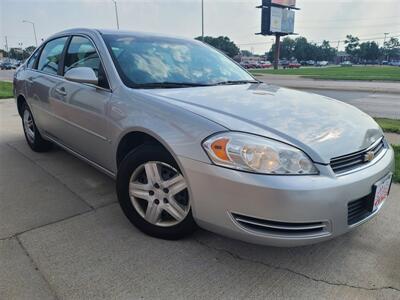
pixel 63 236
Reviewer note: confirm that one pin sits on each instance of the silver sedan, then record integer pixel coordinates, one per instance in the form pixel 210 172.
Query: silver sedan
pixel 192 139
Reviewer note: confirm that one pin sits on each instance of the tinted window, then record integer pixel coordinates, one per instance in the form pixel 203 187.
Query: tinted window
pixel 51 55
pixel 82 53
pixel 147 60
pixel 31 61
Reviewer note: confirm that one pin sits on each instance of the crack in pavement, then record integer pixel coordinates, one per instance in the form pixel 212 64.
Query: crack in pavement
pixel 238 257
pixel 51 175
pixel 58 221
pixel 36 267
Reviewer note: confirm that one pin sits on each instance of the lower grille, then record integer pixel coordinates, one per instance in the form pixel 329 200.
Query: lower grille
pixel 281 228
pixel 359 209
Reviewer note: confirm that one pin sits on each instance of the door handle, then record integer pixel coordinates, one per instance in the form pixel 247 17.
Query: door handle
pixel 61 91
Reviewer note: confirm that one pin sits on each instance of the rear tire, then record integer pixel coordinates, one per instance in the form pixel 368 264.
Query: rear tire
pixel 153 193
pixel 32 134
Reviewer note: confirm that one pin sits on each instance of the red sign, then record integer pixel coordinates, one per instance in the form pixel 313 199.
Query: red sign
pixel 291 3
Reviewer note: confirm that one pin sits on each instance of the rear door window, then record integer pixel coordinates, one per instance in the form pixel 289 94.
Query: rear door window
pixel 50 57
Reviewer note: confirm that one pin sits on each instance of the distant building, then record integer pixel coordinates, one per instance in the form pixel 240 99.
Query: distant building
pixel 253 59
pixel 341 57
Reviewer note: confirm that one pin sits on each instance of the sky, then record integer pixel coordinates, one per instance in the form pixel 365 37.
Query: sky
pixel 238 19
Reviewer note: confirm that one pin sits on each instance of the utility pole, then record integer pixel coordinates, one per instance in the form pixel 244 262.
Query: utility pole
pixel 202 20
pixel 34 30
pixel 277 51
pixel 6 44
pixel 384 40
pixel 116 12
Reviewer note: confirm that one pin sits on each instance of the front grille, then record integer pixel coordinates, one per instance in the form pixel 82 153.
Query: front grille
pixel 359 209
pixel 282 228
pixel 357 159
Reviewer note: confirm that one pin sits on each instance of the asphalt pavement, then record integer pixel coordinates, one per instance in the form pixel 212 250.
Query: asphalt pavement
pixel 384 105
pixel 63 236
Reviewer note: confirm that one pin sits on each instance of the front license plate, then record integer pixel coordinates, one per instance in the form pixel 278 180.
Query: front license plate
pixel 382 188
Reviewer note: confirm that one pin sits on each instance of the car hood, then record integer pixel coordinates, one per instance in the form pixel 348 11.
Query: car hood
pixel 322 127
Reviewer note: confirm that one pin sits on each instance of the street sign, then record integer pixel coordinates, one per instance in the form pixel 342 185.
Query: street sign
pixel 282 20
pixel 277 20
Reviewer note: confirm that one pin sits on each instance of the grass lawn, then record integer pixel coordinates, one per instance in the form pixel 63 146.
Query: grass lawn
pixel 5 90
pixel 339 73
pixel 389 125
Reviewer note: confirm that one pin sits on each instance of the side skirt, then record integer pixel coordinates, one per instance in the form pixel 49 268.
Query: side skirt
pixel 81 157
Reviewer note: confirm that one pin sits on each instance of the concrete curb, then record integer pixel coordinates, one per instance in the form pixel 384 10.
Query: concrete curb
pixel 347 89
pixel 297 82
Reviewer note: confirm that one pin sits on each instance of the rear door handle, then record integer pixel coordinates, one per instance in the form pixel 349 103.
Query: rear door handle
pixel 61 91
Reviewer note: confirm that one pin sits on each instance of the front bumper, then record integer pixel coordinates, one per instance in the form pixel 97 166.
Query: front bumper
pixel 219 195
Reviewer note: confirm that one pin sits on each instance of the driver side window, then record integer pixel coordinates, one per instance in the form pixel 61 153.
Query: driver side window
pixel 82 53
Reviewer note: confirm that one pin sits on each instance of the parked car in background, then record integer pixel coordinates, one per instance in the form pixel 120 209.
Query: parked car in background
pixel 323 63
pixel 248 65
pixel 284 63
pixel 6 66
pixel 346 64
pixel 265 64
pixel 192 139
pixel 308 63
pixel 395 63
pixel 293 65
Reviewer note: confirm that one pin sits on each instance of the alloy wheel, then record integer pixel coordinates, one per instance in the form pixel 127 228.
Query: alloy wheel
pixel 29 126
pixel 159 194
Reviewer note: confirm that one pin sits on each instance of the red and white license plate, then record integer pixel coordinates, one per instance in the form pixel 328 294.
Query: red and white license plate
pixel 382 188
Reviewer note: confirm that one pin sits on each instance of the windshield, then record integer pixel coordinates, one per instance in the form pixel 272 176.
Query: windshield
pixel 159 62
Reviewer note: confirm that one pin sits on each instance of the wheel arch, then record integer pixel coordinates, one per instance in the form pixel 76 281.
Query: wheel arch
pixel 136 137
pixel 20 101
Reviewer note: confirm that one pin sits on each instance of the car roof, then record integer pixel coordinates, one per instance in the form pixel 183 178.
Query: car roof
pixel 117 32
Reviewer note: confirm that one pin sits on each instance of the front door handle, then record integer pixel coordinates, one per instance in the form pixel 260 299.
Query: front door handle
pixel 61 91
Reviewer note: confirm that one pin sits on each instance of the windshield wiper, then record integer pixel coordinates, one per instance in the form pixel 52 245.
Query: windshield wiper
pixel 167 84
pixel 233 82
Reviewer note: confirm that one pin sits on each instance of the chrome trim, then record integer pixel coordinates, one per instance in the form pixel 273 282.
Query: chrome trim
pixel 326 230
pixel 294 228
pixel 365 165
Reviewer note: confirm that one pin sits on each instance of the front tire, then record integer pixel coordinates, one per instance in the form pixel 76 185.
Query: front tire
pixel 154 194
pixel 32 134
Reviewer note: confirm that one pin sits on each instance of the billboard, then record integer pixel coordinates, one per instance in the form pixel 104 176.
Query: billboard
pixel 290 3
pixel 282 20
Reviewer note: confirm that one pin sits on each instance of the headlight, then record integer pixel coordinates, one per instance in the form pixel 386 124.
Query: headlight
pixel 257 154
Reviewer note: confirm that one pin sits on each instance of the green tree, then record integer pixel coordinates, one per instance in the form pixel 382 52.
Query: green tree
pixel 391 48
pixel 369 51
pixel 222 43
pixel 352 46
pixel 16 53
pixel 287 48
pixel 328 53
pixel 301 49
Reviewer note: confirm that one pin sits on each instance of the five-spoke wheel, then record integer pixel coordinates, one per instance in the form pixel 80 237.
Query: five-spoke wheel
pixel 32 135
pixel 159 193
pixel 154 194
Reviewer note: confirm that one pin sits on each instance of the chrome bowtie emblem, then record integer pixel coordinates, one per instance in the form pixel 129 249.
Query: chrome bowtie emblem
pixel 369 156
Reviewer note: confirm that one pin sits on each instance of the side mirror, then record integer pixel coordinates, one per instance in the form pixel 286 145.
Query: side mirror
pixel 81 75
